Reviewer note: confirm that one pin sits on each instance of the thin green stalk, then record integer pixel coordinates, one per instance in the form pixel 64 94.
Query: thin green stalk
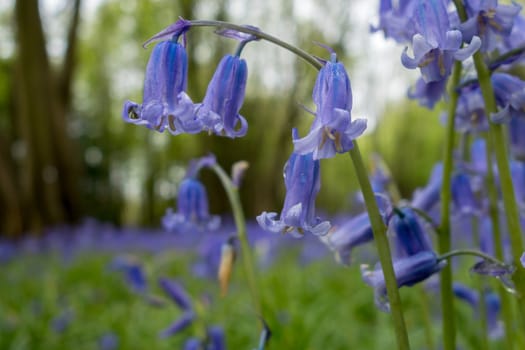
pixel 427 320
pixel 471 252
pixel 444 239
pixel 381 240
pixel 498 142
pixel 262 35
pixel 492 191
pixel 240 223
pixel 483 334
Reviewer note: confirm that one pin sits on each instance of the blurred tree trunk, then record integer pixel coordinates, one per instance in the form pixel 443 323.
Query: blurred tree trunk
pixel 47 171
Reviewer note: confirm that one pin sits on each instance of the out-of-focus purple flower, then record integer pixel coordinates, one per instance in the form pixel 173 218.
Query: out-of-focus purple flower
pixel 470 110
pixel 303 182
pixel 410 236
pixel 517 170
pixel 342 239
pixel 179 325
pixel 332 130
pixel 216 339
pixel 492 306
pixel 489 21
pixel 165 103
pixel 108 341
pixel 522 259
pixel 463 197
pixel 510 96
pixel 515 41
pixel 428 94
pixel 415 263
pixel 192 344
pixel 177 293
pixel 192 209
pixel 490 268
pixel 435 45
pixel 396 20
pixel 7 251
pixel 426 198
pixel 133 273
pixel 408 271
pixel 62 321
pixel 220 108
pixel 517 138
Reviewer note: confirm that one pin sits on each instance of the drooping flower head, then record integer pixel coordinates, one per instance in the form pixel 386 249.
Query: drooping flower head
pixel 332 130
pixel 192 202
pixel 492 307
pixel 224 97
pixel 178 294
pixel 489 21
pixel 415 263
pixel 510 96
pixel 436 45
pixel 463 196
pixel 303 182
pixel 344 238
pixel 220 108
pixel 165 103
pixel 396 20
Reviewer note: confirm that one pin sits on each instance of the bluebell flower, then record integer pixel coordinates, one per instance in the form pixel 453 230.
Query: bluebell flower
pixel 108 341
pixel 165 102
pixel 510 97
pixel 219 110
pixel 489 21
pixel 192 344
pixel 332 130
pixel 522 259
pixel 396 20
pixel 427 94
pixel 342 239
pixel 492 307
pixel 408 271
pixel 410 236
pixel 192 209
pixel 463 197
pixel 435 45
pixel 516 138
pixel 215 339
pixel 177 293
pixel 470 110
pixel 303 182
pixel 517 170
pixel 427 197
pixel 416 260
pixel 133 273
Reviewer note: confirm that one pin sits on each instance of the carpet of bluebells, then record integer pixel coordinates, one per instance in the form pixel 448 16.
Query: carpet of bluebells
pixel 95 286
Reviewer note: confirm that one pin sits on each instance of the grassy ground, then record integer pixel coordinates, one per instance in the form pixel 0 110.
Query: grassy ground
pixel 51 302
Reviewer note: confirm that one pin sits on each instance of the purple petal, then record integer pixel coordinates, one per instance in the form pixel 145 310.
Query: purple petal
pixel 177 293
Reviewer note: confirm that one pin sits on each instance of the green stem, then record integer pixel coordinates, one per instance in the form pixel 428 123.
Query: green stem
pixel 444 238
pixel 483 334
pixel 262 35
pixel 381 240
pixel 498 142
pixel 240 223
pixel 427 320
pixel 471 252
pixel 492 191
